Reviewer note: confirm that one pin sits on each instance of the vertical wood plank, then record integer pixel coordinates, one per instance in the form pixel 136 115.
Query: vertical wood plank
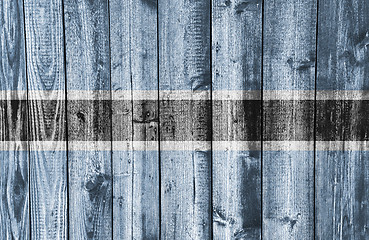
pixel 289 66
pixel 14 166
pixel 120 38
pixel 45 68
pixel 136 171
pixel 236 65
pixel 88 75
pixel 184 64
pixel 342 182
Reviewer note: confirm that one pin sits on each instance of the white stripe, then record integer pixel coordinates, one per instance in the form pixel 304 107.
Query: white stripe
pixel 135 94
pixel 46 95
pixel 236 95
pixel 184 145
pixel 342 145
pixel 342 95
pixel 135 146
pixel 288 94
pixel 236 145
pixel 185 95
pixel 12 94
pixel 288 145
pixel 89 95
pixel 13 146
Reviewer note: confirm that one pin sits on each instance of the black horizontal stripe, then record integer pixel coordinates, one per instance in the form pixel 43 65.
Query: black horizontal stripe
pixel 190 120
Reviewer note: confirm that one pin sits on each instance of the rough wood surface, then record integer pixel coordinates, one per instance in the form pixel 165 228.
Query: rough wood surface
pixel 45 68
pixel 289 64
pixel 14 167
pixel 184 64
pixel 134 66
pixel 14 204
pixel 88 68
pixel 342 183
pixel 188 119
pixel 236 65
pixel 122 119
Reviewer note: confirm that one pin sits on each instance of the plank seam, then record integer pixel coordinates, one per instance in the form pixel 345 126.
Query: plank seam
pixel 66 115
pixel 111 128
pixel 28 124
pixel 211 116
pixel 158 97
pixel 262 118
pixel 132 122
pixel 315 109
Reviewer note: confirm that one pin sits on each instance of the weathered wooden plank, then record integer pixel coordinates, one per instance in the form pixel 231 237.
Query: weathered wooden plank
pixel 88 69
pixel 341 189
pixel 14 204
pixel 288 120
pixel 14 167
pixel 45 68
pixel 184 64
pixel 134 66
pixel 236 65
pixel 342 176
pixel 342 120
pixel 12 72
pixel 289 65
pixel 122 161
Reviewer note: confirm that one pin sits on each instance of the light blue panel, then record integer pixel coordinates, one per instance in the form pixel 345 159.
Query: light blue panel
pixel 14 191
pixel 12 51
pixel 288 192
pixel 342 190
pixel 136 194
pixel 342 84
pixel 90 193
pixel 87 53
pixel 48 186
pixel 185 192
pixel 237 190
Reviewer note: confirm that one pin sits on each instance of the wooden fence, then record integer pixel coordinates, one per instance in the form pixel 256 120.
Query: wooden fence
pixel 186 119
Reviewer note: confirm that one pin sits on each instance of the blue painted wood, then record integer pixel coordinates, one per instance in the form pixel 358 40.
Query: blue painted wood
pixel 191 191
pixel 288 194
pixel 184 64
pixel 49 209
pixel 342 45
pixel 236 65
pixel 133 37
pixel 14 201
pixel 237 194
pixel 341 189
pixel 289 39
pixel 45 71
pixel 14 167
pixel 88 69
pixel 342 176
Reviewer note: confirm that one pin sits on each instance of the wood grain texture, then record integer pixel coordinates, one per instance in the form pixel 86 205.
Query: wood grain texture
pixel 14 204
pixel 236 65
pixel 342 176
pixel 184 63
pixel 14 167
pixel 45 68
pixel 134 66
pixel 289 64
pixel 88 68
pixel 144 75
pixel 120 43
